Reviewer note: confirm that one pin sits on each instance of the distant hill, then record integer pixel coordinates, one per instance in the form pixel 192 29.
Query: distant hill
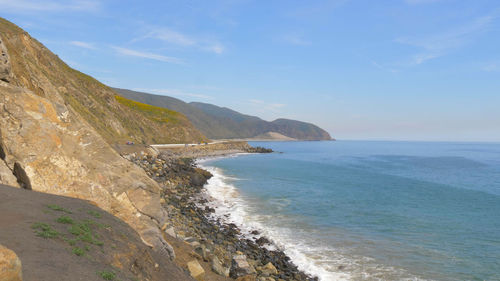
pixel 223 123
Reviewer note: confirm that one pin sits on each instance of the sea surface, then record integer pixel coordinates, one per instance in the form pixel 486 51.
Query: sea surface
pixel 370 210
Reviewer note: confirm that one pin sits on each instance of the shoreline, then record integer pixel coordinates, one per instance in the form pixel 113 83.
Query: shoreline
pixel 218 245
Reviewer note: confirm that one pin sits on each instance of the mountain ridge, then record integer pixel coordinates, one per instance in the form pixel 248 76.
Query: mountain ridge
pixel 224 123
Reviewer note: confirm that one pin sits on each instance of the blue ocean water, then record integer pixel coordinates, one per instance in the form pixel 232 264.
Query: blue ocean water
pixel 371 210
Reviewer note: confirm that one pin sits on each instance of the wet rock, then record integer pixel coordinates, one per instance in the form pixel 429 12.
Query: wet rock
pixel 262 241
pixel 195 270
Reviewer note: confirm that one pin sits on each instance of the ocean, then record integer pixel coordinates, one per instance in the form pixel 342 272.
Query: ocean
pixel 370 210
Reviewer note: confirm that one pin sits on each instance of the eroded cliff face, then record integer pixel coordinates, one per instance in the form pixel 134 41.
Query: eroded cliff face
pixel 26 63
pixel 46 146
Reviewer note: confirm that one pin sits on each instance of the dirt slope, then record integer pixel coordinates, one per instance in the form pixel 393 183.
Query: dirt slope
pixel 114 247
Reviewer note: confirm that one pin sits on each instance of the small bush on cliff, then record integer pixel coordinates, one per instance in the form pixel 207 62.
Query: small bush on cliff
pixel 58 208
pixel 44 230
pixel 107 275
pixel 78 251
pixel 65 220
pixel 84 233
pixel 95 214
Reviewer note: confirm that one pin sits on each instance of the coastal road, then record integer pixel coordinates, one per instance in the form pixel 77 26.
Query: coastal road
pixel 175 145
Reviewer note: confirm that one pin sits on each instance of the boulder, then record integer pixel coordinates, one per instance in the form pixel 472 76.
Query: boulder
pixel 247 278
pixel 262 278
pixel 171 231
pixel 10 265
pixel 240 267
pixel 269 269
pixel 196 271
pixel 218 268
pixel 6 175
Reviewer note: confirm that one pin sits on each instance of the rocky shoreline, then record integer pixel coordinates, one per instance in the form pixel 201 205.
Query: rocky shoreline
pixel 220 245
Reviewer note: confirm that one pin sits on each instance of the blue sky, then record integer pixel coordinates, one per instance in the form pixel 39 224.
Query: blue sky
pixel 401 70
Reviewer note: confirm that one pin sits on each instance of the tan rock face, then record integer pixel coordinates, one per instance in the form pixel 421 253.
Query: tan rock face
pixel 6 175
pixel 196 271
pixel 51 150
pixel 5 68
pixel 10 265
pixel 49 146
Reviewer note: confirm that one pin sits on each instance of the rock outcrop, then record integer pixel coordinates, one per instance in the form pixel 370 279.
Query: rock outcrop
pixel 10 265
pixel 5 68
pixel 6 175
pixel 26 63
pixel 50 150
pixel 49 147
pixel 195 270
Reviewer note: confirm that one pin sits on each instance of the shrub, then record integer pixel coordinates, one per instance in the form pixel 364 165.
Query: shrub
pixel 107 275
pixel 65 220
pixel 78 251
pixel 45 230
pixel 58 208
pixel 95 214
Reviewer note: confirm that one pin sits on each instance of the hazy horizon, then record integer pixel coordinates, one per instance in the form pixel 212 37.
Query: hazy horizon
pixel 418 70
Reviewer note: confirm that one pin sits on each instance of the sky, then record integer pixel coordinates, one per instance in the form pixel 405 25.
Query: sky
pixel 374 70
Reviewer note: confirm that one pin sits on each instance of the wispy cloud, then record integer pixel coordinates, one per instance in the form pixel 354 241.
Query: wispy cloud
pixel 146 55
pixel 493 66
pixel 84 45
pixel 215 48
pixel 383 67
pixel 266 105
pixel 170 36
pixel 177 38
pixel 296 39
pixel 440 44
pixel 24 6
pixel 174 92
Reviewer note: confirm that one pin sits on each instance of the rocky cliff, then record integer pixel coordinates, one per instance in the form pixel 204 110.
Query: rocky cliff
pixel 26 63
pixel 54 128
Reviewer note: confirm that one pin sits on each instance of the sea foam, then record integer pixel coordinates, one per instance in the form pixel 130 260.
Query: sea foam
pixel 231 207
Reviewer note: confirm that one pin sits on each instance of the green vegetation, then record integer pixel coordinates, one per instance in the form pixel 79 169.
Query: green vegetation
pixel 84 232
pixel 58 208
pixel 155 113
pixel 44 230
pixel 107 275
pixel 95 214
pixel 78 251
pixel 65 220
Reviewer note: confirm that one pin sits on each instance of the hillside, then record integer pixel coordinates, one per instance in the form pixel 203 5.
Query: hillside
pixel 36 68
pixel 56 126
pixel 62 238
pixel 223 123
